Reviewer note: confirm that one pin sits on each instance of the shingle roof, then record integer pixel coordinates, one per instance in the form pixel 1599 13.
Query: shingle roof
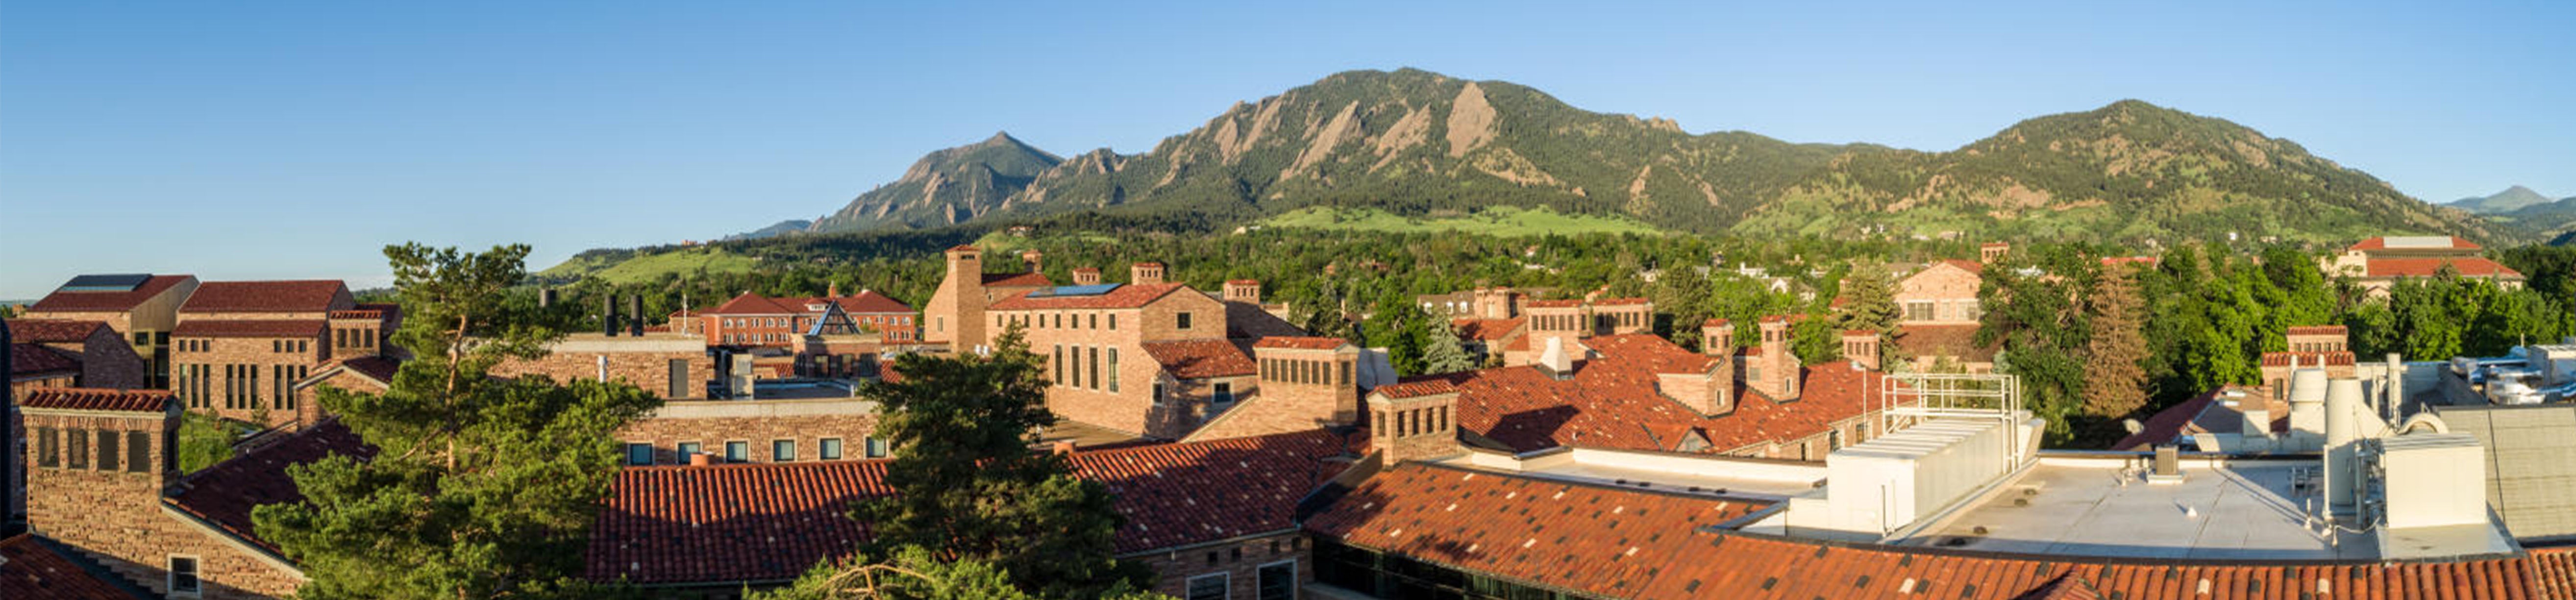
pixel 52 331
pixel 264 296
pixel 1123 296
pixel 29 569
pixel 1612 402
pixel 63 301
pixel 761 522
pixel 1300 343
pixel 29 359
pixel 1598 539
pixel 2469 266
pixel 224 494
pixel 1201 359
pixel 142 401
pixel 251 328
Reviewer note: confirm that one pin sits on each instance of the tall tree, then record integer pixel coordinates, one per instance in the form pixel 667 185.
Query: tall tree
pixel 967 487
pixel 481 487
pixel 1443 354
pixel 1869 303
pixel 2114 381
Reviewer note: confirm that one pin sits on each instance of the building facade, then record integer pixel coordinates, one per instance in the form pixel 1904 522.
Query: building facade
pixel 143 309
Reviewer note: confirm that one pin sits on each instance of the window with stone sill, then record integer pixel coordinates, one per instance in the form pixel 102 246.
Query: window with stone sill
pixel 183 576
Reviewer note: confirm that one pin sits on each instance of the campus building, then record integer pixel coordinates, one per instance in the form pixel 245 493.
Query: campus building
pixel 142 309
pixel 756 320
pixel 2377 264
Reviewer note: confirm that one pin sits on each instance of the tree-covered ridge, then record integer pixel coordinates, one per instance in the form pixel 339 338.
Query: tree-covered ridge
pixel 2129 172
pixel 1415 143
pixel 946 187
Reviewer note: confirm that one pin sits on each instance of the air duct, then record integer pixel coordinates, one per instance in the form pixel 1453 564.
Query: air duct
pixel 2343 408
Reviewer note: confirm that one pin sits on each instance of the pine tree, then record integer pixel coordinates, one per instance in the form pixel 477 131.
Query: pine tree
pixel 481 487
pixel 968 488
pixel 1443 354
pixel 2114 383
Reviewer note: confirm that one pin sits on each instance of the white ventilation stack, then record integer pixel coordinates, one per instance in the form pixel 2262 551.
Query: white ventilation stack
pixel 1554 359
pixel 2307 409
pixel 2343 408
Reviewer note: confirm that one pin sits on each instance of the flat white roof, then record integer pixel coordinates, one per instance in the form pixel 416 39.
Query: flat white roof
pixel 2243 510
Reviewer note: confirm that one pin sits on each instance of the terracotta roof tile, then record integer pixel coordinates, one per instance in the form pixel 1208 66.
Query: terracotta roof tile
pixel 1243 282
pixel 1554 303
pixel 29 569
pixel 52 331
pixel 2317 330
pixel 1123 296
pixel 1416 389
pixel 1017 280
pixel 265 296
pixel 1200 359
pixel 2469 266
pixel 224 494
pixel 1966 265
pixel 867 302
pixel 29 359
pixel 2381 243
pixel 142 401
pixel 251 328
pixel 1487 329
pixel 1600 540
pixel 1300 343
pixel 1612 402
pixel 1619 302
pixel 762 522
pixel 63 301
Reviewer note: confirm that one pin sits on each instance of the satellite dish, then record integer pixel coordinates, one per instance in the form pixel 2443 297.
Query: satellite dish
pixel 2132 425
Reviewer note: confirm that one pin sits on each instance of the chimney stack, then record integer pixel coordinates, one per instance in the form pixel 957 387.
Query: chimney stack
pixel 1707 391
pixel 1035 259
pixel 832 290
pixel 1145 273
pixel 608 315
pixel 1780 366
pixel 1243 290
pixel 1086 276
pixel 1860 346
pixel 1415 421
pixel 635 316
pixel 1717 337
pixel 1992 251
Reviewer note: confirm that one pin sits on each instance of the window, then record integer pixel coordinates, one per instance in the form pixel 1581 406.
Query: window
pixel 737 451
pixel 1211 586
pixel 1076 368
pixel 639 454
pixel 106 450
pixel 1224 395
pixel 1113 369
pixel 183 576
pixel 1918 310
pixel 1183 322
pixel 782 451
pixel 1346 373
pixel 138 452
pixel 1095 368
pixel 688 449
pixel 1095 320
pixel 48 448
pixel 77 441
pixel 1113 321
pixel 876 447
pixel 1158 393
pixel 828 449
pixel 1059 363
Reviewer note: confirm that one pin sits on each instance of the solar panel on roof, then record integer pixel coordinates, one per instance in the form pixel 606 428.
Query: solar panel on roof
pixel 106 283
pixel 1069 291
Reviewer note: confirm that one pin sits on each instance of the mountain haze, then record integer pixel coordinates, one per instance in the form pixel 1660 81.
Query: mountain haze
pixel 2509 200
pixel 1417 143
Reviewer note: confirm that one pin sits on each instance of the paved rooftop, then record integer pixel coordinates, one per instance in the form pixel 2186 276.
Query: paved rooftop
pixel 2244 510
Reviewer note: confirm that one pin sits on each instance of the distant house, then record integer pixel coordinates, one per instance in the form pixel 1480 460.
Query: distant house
pixel 1940 312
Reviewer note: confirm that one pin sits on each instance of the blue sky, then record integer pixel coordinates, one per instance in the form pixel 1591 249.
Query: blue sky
pixel 272 140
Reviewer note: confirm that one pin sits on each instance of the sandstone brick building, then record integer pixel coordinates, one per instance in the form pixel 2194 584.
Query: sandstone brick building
pixel 2377 264
pixel 105 359
pixel 955 315
pixel 241 346
pixel 756 320
pixel 1570 322
pixel 754 431
pixel 671 365
pixel 1940 313
pixel 143 309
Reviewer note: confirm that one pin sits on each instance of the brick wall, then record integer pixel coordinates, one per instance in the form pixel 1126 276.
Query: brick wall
pixel 116 517
pixel 644 362
pixel 108 361
pixel 1950 290
pixel 1240 560
pixel 199 375
pixel 757 423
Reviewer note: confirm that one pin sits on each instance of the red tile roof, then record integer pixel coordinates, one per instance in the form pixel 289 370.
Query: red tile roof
pixel 62 301
pixel 1554 303
pixel 2308 359
pixel 265 296
pixel 224 494
pixel 1967 265
pixel 1601 540
pixel 2468 266
pixel 867 302
pixel 755 304
pixel 1612 402
pixel 1124 296
pixel 1300 343
pixel 29 569
pixel 52 331
pixel 1416 389
pixel 30 359
pixel 1619 301
pixel 250 328
pixel 1715 323
pixel 765 522
pixel 1201 359
pixel 2381 243
pixel 1945 340
pixel 871 302
pixel 1487 329
pixel 1031 279
pixel 1243 282
pixel 2317 330
pixel 142 401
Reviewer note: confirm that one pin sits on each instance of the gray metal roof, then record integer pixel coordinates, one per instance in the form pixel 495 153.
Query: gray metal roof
pixel 2531 463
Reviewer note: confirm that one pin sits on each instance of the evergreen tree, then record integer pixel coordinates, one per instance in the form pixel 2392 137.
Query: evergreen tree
pixel 2114 383
pixel 481 487
pixel 1869 303
pixel 1443 354
pixel 967 487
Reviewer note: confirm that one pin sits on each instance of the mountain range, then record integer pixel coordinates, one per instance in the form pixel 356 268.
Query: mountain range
pixel 1417 143
pixel 2509 200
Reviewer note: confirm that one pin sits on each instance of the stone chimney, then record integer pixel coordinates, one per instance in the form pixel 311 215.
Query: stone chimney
pixel 1555 360
pixel 1779 367
pixel 1860 346
pixel 1992 251
pixel 1717 337
pixel 1495 303
pixel 1145 273
pixel 1415 421
pixel 2318 338
pixel 1315 380
pixel 1709 391
pixel 98 461
pixel 1243 290
pixel 1035 259
pixel 832 290
pixel 1086 276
